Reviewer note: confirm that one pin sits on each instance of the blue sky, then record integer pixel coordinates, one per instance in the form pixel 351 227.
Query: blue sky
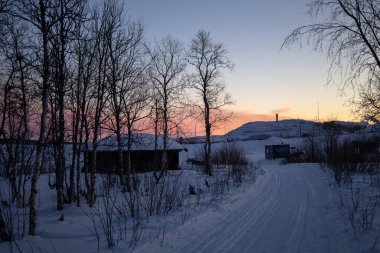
pixel 265 79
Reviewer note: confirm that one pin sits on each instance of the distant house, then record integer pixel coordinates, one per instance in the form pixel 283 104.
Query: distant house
pixel 145 155
pixel 277 151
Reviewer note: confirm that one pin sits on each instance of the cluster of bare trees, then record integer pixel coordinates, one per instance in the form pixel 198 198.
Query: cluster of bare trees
pixel 72 71
pixel 349 33
pixel 350 36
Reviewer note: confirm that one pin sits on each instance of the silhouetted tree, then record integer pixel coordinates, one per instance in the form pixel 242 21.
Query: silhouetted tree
pixel 135 109
pixel 67 14
pixel 99 86
pixel 167 65
pixel 209 59
pixel 124 42
pixel 5 10
pixel 350 36
pixel 38 15
pixel 16 108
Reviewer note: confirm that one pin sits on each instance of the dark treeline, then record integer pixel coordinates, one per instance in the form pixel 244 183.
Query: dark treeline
pixel 72 71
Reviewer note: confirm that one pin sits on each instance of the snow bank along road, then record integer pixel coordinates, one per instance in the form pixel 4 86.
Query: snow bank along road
pixel 292 208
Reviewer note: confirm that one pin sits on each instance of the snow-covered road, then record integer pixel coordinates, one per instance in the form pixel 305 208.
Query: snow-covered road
pixel 289 209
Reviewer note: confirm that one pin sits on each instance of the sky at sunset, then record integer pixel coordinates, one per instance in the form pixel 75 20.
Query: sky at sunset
pixel 266 79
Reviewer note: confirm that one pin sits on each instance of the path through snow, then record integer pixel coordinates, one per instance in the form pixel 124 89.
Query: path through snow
pixel 290 209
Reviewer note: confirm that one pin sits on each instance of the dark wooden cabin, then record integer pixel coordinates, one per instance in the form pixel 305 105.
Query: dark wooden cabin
pixel 144 156
pixel 277 151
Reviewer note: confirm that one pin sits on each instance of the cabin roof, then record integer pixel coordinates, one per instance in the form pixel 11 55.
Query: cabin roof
pixel 140 142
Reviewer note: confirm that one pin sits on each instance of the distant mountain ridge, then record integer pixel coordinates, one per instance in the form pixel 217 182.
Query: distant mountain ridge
pixel 291 128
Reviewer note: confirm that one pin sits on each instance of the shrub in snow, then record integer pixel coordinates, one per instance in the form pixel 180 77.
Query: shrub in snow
pixel 192 190
pixel 4 233
pixel 354 163
pixel 351 156
pixel 230 154
pixel 359 197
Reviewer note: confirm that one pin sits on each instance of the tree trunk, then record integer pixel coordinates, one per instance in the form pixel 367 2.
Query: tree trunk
pixel 41 139
pixel 61 135
pixel 120 158
pixel 129 183
pixel 207 147
pixel 20 197
pixel 91 193
pixel 164 163
pixel 75 148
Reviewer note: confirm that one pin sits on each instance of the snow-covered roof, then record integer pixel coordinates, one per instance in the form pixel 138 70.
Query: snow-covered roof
pixel 139 142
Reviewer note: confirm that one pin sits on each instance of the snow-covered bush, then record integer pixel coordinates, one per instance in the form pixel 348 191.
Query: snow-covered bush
pixel 348 157
pixel 13 215
pixel 118 214
pixel 231 166
pixel 103 214
pixel 354 163
pixel 230 154
pixel 168 195
pixel 312 150
pixel 360 199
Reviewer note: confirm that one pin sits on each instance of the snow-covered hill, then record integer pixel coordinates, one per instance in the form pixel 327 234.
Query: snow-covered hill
pixel 265 129
pixel 291 128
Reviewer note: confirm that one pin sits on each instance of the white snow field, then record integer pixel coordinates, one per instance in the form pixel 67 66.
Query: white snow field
pixel 290 208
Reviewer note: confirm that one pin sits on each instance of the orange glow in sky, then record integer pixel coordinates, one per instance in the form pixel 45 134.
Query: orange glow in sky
pixel 266 79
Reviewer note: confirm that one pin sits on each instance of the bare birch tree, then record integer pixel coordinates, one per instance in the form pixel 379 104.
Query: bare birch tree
pixel 68 13
pixel 135 107
pixel 99 89
pixel 124 42
pixel 349 34
pixel 16 107
pixel 80 100
pixel 167 66
pixel 209 59
pixel 5 10
pixel 36 13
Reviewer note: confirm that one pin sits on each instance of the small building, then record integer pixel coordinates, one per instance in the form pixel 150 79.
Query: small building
pixel 146 155
pixel 277 151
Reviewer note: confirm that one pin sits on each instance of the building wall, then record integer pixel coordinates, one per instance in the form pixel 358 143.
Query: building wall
pixel 141 161
pixel 277 151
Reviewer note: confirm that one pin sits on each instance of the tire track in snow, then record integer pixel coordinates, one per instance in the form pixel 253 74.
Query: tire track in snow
pixel 253 212
pixel 315 213
pixel 280 223
pixel 220 237
pixel 283 215
pixel 299 229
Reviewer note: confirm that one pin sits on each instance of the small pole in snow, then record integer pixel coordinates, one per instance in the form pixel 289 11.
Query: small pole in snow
pixel 318 111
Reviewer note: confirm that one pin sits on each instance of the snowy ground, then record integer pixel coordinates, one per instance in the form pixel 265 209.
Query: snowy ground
pixel 291 208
